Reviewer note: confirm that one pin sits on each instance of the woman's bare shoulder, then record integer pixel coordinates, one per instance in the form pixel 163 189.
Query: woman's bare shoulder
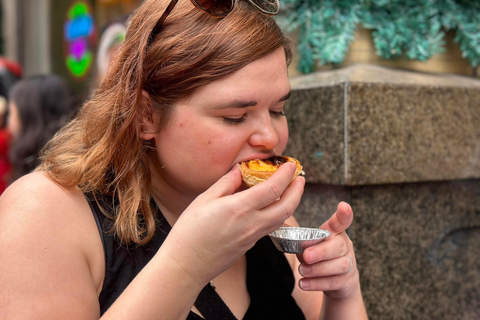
pixel 35 201
pixel 54 249
pixel 35 188
pixel 36 198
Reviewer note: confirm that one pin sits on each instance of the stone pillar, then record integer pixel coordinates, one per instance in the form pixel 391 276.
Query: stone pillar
pixel 36 37
pixel 403 149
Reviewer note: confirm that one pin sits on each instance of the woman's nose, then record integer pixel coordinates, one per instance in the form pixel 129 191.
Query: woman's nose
pixel 265 135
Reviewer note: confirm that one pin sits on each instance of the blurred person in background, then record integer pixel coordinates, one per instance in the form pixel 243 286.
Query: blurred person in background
pixel 39 106
pixel 112 37
pixel 10 73
pixel 4 144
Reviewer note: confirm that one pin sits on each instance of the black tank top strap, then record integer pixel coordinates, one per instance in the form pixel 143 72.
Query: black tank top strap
pixel 97 214
pixel 122 262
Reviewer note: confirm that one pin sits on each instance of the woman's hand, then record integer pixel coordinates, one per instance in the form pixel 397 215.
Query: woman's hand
pixel 330 266
pixel 221 224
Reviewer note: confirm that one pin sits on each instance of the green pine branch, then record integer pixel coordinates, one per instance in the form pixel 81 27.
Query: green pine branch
pixel 413 29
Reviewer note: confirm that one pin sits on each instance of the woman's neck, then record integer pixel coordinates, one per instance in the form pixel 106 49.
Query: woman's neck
pixel 172 202
pixel 171 207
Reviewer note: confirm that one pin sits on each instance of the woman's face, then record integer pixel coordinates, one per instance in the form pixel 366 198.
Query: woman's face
pixel 225 122
pixel 13 122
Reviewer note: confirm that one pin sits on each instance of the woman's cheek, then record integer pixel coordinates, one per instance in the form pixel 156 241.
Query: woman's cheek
pixel 282 138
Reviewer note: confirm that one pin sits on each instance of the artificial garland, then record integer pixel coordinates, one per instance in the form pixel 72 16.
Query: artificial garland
pixel 414 29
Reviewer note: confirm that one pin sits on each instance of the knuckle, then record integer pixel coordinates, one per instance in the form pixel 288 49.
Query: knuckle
pixel 333 283
pixel 345 244
pixel 255 229
pixel 320 269
pixel 350 243
pixel 322 251
pixel 276 226
pixel 288 210
pixel 275 191
pixel 237 208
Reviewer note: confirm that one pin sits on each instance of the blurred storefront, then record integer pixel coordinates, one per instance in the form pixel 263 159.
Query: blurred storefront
pixel 60 36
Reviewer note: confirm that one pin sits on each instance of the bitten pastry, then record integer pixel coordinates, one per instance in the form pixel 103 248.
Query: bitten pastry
pixel 259 170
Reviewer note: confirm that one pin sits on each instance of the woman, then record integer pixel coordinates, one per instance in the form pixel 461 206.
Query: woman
pixel 39 106
pixel 187 97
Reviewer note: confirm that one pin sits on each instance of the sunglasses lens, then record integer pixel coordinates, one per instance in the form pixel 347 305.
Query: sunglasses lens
pixel 219 8
pixel 270 7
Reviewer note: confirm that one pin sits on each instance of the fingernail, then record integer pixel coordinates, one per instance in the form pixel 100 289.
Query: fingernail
pixel 304 284
pixel 312 256
pixel 304 270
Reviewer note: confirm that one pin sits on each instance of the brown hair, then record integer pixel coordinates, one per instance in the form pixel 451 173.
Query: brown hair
pixel 100 151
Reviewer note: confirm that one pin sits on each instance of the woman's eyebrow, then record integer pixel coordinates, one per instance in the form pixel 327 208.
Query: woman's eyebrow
pixel 285 97
pixel 236 104
pixel 245 104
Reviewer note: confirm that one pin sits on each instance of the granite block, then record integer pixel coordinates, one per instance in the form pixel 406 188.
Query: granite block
pixel 416 245
pixel 319 203
pixel 403 148
pixel 316 127
pixel 367 125
pixel 417 249
pixel 408 134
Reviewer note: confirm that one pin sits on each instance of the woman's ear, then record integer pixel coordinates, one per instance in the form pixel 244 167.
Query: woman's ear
pixel 148 121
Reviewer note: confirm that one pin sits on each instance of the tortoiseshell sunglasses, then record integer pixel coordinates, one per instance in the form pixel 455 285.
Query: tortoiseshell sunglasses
pixel 217 9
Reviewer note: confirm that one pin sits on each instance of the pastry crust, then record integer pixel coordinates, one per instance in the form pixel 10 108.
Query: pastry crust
pixel 259 170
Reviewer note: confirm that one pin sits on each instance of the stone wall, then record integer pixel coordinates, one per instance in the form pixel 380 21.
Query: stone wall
pixel 404 150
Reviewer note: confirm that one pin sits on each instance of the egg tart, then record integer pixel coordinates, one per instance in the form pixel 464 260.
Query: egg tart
pixel 259 170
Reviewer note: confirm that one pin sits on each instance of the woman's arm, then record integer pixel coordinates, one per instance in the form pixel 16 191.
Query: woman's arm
pixel 326 268
pixel 210 235
pixel 52 263
pixel 49 245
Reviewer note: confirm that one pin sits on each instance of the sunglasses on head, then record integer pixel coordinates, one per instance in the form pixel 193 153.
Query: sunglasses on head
pixel 217 9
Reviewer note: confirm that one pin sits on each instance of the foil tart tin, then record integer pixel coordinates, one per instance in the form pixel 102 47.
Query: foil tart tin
pixel 297 239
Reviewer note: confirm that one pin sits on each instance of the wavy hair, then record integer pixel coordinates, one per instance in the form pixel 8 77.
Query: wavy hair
pixel 101 152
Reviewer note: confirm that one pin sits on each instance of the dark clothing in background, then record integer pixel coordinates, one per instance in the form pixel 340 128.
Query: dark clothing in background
pixel 5 166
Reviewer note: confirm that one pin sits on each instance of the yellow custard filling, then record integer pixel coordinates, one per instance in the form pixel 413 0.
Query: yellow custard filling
pixel 261 166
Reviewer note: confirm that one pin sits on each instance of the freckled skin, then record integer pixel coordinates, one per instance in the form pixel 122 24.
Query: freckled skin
pixel 192 165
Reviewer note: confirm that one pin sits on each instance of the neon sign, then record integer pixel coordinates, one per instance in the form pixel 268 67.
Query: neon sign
pixel 79 39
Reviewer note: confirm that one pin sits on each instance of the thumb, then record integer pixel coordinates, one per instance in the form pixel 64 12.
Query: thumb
pixel 227 184
pixel 340 220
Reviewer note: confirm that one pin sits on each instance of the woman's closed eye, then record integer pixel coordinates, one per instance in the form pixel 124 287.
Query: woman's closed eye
pixel 238 120
pixel 234 120
pixel 277 114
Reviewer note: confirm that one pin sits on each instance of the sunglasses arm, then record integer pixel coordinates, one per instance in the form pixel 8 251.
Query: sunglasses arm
pixel 158 27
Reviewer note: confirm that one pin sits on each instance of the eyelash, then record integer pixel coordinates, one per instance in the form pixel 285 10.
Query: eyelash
pixel 276 114
pixel 234 121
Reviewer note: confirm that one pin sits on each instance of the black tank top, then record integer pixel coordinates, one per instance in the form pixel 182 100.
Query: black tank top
pixel 270 280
